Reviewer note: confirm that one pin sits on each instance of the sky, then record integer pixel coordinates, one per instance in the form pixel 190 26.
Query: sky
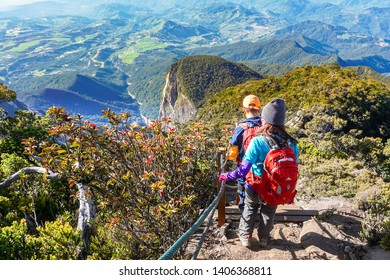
pixel 7 3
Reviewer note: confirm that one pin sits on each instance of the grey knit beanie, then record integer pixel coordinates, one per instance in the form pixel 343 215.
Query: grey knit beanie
pixel 274 112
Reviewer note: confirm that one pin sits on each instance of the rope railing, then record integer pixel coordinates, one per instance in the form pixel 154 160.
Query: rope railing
pixel 206 229
pixel 169 254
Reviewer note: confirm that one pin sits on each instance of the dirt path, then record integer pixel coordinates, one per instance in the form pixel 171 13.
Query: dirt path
pixel 332 235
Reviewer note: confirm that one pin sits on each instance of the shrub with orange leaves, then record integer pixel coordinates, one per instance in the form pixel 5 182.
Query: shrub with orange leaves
pixel 149 183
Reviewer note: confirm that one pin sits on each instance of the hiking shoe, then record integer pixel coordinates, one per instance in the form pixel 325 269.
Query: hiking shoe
pixel 263 242
pixel 245 241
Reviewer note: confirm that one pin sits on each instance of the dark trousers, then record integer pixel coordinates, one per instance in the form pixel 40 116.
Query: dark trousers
pixel 247 222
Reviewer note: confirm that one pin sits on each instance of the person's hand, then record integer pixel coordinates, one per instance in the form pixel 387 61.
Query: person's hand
pixel 222 177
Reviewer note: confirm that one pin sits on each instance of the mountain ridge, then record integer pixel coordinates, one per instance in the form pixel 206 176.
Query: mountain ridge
pixel 276 51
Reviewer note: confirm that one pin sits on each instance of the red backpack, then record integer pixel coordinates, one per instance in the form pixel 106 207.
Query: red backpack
pixel 250 130
pixel 279 177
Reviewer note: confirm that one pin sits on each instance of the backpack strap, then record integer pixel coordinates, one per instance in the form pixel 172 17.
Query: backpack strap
pixel 271 142
pixel 244 125
pixel 247 124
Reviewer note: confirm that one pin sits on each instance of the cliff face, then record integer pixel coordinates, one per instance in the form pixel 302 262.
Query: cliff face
pixel 193 79
pixel 174 104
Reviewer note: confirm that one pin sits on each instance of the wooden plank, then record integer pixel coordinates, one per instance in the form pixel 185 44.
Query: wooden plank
pixel 298 212
pixel 283 210
pixel 284 213
pixel 280 207
pixel 222 202
pixel 280 218
pixel 221 208
pixel 291 219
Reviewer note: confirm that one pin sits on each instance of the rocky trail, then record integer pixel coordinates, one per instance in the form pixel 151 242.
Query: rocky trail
pixel 332 235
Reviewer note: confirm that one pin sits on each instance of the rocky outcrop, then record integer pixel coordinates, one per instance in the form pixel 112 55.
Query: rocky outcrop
pixel 174 104
pixel 193 79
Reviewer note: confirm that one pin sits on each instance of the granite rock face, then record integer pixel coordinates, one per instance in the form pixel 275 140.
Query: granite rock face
pixel 174 104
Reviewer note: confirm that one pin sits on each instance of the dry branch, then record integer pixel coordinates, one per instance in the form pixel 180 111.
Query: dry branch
pixel 28 170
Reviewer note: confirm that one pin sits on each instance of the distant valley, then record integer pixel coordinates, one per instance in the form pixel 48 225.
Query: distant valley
pixel 117 55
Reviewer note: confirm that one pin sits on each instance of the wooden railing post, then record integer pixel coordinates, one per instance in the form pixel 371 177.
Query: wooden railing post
pixel 222 201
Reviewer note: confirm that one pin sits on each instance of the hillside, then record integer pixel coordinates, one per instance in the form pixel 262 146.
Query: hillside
pixel 173 32
pixel 367 71
pixel 80 95
pixel 193 79
pixel 277 51
pixel 12 106
pixel 339 118
pixel 369 22
pixel 309 87
pixel 339 37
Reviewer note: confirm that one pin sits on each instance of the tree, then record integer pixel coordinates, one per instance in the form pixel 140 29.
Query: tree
pixel 6 94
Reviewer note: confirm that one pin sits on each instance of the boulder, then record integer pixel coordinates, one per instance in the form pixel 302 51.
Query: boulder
pixel 322 240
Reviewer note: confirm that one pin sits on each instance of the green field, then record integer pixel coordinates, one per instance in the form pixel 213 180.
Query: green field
pixel 25 46
pixel 146 44
pixel 7 44
pixel 128 56
pixel 83 38
pixel 61 39
pixel 38 73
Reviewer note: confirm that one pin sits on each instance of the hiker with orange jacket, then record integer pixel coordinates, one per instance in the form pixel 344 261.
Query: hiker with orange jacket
pixel 241 136
pixel 264 188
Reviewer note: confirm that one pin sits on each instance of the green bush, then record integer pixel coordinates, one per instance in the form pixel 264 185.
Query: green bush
pixel 109 243
pixel 5 207
pixel 6 94
pixel 16 128
pixel 16 243
pixel 375 225
pixel 385 239
pixel 55 241
pixel 58 240
pixel 11 163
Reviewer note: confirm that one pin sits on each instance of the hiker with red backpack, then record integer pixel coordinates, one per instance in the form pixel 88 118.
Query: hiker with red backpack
pixel 242 135
pixel 270 166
